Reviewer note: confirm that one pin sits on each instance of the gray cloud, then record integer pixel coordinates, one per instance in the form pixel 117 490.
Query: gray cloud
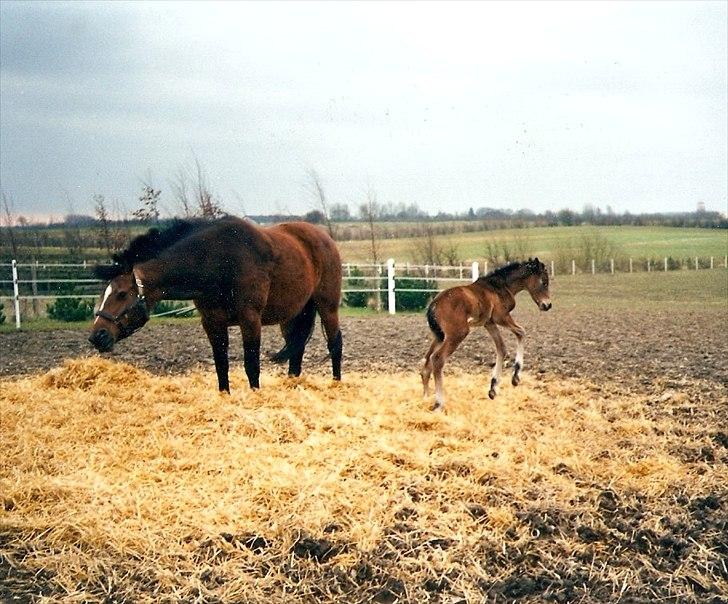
pixel 450 106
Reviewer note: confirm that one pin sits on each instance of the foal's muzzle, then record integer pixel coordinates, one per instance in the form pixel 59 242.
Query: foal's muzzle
pixel 102 340
pixel 544 305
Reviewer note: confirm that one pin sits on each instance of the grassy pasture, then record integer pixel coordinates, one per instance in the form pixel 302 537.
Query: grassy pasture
pixel 637 242
pixel 121 486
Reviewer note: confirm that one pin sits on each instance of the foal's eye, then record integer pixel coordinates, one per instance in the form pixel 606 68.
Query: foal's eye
pixel 121 295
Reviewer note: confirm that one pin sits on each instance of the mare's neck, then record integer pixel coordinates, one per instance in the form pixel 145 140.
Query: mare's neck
pixel 159 281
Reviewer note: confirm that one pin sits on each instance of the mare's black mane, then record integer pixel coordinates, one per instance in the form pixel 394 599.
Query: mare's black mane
pixel 149 245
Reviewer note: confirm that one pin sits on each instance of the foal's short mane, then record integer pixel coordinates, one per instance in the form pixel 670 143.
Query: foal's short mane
pixel 150 244
pixel 499 277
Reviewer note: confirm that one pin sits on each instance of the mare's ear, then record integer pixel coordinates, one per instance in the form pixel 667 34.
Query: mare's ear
pixel 107 272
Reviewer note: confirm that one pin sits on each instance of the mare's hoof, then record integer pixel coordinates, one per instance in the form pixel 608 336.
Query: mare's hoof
pixel 491 394
pixel 516 380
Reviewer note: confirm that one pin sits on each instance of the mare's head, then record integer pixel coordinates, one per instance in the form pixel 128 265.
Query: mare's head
pixel 537 283
pixel 122 308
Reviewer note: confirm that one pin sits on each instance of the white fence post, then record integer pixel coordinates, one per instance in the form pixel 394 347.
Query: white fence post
pixel 573 267
pixel 16 294
pixel 475 271
pixel 593 269
pixel 630 265
pixel 611 265
pixel 665 263
pixel 696 263
pixel 552 268
pixel 485 267
pixel 649 265
pixel 711 262
pixel 390 287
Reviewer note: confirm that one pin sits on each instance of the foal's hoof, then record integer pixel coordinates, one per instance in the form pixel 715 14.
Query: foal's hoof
pixel 491 394
pixel 516 380
pixel 436 407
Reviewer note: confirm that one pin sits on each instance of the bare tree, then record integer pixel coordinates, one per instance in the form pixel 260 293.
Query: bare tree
pixel 209 206
pixel 428 250
pixel 191 190
pixel 102 215
pixel 369 212
pixel 317 188
pixel 181 191
pixel 9 220
pixel 149 200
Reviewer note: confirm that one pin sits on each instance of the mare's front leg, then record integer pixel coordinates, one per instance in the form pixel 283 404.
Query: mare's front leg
pixel 520 334
pixel 217 333
pixel 250 326
pixel 500 350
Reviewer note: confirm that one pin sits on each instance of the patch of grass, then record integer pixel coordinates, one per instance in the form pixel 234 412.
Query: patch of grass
pixel 545 242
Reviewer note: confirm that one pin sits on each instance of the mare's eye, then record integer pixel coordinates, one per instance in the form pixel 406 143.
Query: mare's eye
pixel 121 295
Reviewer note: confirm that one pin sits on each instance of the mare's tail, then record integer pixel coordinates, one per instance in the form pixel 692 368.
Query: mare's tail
pixel 300 330
pixel 432 322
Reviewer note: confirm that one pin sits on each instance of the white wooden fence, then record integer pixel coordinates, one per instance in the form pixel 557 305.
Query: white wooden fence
pixel 377 278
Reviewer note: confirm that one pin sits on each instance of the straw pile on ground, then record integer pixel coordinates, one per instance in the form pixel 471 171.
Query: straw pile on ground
pixel 119 485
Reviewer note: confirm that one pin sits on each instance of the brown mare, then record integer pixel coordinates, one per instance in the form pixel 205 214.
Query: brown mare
pixel 237 274
pixel 486 302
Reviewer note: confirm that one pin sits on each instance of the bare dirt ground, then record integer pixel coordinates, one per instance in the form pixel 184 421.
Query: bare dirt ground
pixel 637 349
pixel 677 362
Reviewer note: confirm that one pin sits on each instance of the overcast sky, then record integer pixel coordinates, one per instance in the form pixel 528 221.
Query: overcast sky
pixel 450 106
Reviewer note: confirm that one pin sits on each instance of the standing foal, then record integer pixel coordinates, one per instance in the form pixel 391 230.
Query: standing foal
pixel 486 302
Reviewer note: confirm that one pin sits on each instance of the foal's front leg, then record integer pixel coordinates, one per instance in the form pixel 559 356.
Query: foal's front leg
pixel 500 350
pixel 520 334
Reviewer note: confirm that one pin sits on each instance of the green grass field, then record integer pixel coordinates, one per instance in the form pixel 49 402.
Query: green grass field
pixel 546 242
pixel 689 290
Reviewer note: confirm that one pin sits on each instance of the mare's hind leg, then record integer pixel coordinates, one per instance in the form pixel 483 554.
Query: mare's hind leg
pixel 217 333
pixel 520 334
pixel 500 349
pixel 426 370
pixel 329 313
pixel 439 356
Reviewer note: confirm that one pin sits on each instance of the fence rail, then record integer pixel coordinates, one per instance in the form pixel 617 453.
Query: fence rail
pixel 73 283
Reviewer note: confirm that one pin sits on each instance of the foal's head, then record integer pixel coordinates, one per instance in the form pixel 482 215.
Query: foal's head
pixel 122 308
pixel 537 283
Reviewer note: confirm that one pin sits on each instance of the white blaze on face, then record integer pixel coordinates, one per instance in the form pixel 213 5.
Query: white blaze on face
pixel 107 293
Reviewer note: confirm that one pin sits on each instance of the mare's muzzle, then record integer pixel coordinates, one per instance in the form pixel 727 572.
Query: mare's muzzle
pixel 129 320
pixel 102 340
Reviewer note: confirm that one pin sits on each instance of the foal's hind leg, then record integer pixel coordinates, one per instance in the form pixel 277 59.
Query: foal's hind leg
pixel 426 370
pixel 439 356
pixel 500 350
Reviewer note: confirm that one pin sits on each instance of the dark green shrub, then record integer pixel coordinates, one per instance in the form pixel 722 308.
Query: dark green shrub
pixel 357 299
pixel 71 309
pixel 413 300
pixel 167 306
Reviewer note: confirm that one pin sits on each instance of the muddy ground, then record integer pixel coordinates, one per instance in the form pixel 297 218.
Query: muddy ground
pixel 678 361
pixel 639 350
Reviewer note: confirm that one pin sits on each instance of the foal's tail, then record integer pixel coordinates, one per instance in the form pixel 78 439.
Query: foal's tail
pixel 299 333
pixel 432 322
